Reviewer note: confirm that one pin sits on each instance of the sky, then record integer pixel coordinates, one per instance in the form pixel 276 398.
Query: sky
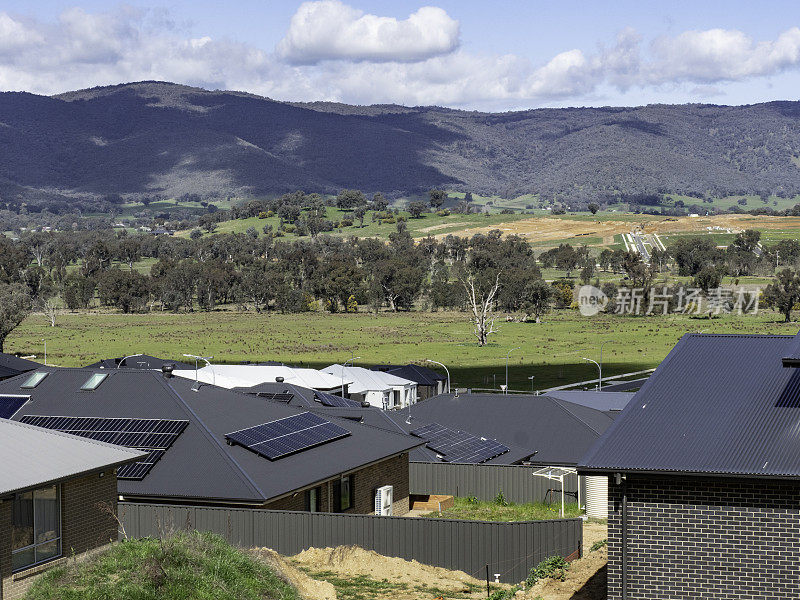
pixel 476 55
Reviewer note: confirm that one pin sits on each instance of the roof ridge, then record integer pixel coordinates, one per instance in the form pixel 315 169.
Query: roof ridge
pixel 77 438
pixel 558 401
pixel 206 432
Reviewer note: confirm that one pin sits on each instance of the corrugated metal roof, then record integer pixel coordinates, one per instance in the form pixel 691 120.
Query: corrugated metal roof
pixel 603 401
pixel 11 365
pixel 365 380
pixel 422 375
pixel 34 456
pixel 200 464
pixel 718 404
pixel 236 376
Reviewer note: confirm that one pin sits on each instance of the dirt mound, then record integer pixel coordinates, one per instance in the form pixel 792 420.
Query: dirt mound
pixel 352 560
pixel 309 589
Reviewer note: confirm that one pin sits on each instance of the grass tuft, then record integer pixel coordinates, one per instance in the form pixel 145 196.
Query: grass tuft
pixel 476 510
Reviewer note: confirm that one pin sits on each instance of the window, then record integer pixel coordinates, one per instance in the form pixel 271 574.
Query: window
pixel 312 499
pixel 94 382
pixel 34 380
pixel 343 493
pixel 36 527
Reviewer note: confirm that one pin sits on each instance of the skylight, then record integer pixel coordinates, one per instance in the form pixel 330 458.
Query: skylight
pixel 34 380
pixel 94 381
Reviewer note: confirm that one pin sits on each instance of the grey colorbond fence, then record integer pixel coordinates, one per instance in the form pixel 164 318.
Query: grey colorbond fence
pixel 485 481
pixel 508 548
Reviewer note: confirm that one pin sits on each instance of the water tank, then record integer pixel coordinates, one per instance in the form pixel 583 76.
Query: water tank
pixel 597 496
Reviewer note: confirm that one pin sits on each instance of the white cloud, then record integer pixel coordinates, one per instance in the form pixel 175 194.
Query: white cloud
pixel 330 30
pixel 721 54
pixel 334 52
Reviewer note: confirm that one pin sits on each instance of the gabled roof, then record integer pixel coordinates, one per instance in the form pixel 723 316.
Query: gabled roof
pixel 141 361
pixel 200 465
pixel 236 376
pixel 364 380
pixel 35 457
pixel 422 375
pixel 717 404
pixel 11 365
pixel 603 401
pixel 558 432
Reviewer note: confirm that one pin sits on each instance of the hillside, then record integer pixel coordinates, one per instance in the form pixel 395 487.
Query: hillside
pixel 154 138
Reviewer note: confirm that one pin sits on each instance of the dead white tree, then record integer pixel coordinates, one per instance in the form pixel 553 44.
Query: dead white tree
pixel 50 308
pixel 481 302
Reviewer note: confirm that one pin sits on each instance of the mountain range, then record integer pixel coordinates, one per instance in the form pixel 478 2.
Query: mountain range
pixel 164 139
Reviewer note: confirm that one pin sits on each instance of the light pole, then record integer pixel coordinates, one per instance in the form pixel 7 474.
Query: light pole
pixel 508 354
pixel 600 383
pixel 206 359
pixel 445 370
pixel 531 378
pixel 119 364
pixel 599 368
pixel 45 351
pixel 343 367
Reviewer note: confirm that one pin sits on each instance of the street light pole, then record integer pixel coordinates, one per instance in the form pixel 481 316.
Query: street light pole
pixel 343 368
pixel 508 354
pixel 45 351
pixel 599 368
pixel 445 370
pixel 600 382
pixel 123 359
pixel 206 359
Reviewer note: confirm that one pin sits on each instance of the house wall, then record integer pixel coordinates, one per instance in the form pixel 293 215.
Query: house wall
pixel 393 471
pixel 705 538
pixel 84 527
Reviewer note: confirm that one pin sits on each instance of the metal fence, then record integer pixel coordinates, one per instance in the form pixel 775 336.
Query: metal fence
pixel 510 549
pixel 485 481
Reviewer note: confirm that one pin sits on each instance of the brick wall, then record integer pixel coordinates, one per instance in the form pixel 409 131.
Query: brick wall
pixel 705 538
pixel 393 471
pixel 84 527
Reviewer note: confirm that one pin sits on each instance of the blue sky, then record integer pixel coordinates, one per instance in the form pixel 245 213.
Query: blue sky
pixel 501 55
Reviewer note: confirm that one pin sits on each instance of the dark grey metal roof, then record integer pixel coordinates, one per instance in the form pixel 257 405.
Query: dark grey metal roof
pixel 603 401
pixel 718 404
pixel 33 456
pixel 421 375
pixel 143 361
pixel 558 432
pixel 200 465
pixel 624 386
pixel 11 365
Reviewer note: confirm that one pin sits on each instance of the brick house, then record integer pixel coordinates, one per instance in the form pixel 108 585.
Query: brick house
pixel 51 499
pixel 704 474
pixel 212 446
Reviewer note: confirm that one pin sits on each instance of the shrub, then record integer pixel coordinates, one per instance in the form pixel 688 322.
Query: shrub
pixel 443 213
pixel 599 544
pixel 346 223
pixel 554 567
pixel 500 499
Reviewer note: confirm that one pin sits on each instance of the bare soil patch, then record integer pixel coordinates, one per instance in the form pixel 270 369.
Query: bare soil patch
pixel 542 229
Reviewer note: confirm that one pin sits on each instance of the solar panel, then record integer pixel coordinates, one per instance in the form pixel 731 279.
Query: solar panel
pixel 11 404
pixel 458 446
pixel 284 397
pixel 337 401
pixel 154 436
pixel 282 437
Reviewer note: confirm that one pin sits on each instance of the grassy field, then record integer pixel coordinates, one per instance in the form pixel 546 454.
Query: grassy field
pixel 472 510
pixel 551 351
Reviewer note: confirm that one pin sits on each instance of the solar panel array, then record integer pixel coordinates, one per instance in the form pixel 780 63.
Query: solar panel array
pixel 11 404
pixel 280 397
pixel 153 436
pixel 280 438
pixel 337 401
pixel 457 446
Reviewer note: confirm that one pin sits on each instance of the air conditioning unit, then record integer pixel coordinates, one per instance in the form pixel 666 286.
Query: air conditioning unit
pixel 383 501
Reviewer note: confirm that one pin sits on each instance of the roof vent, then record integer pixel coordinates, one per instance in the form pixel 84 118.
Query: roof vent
pixel 167 369
pixel 792 357
pixel 279 379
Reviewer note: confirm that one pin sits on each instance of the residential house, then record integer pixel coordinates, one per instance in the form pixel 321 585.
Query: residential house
pixel 429 382
pixel 58 495
pixel 247 376
pixel 704 473
pixel 380 389
pixel 11 365
pixel 140 361
pixel 209 445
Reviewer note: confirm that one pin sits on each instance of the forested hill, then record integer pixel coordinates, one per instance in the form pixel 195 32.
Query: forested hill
pixel 155 139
